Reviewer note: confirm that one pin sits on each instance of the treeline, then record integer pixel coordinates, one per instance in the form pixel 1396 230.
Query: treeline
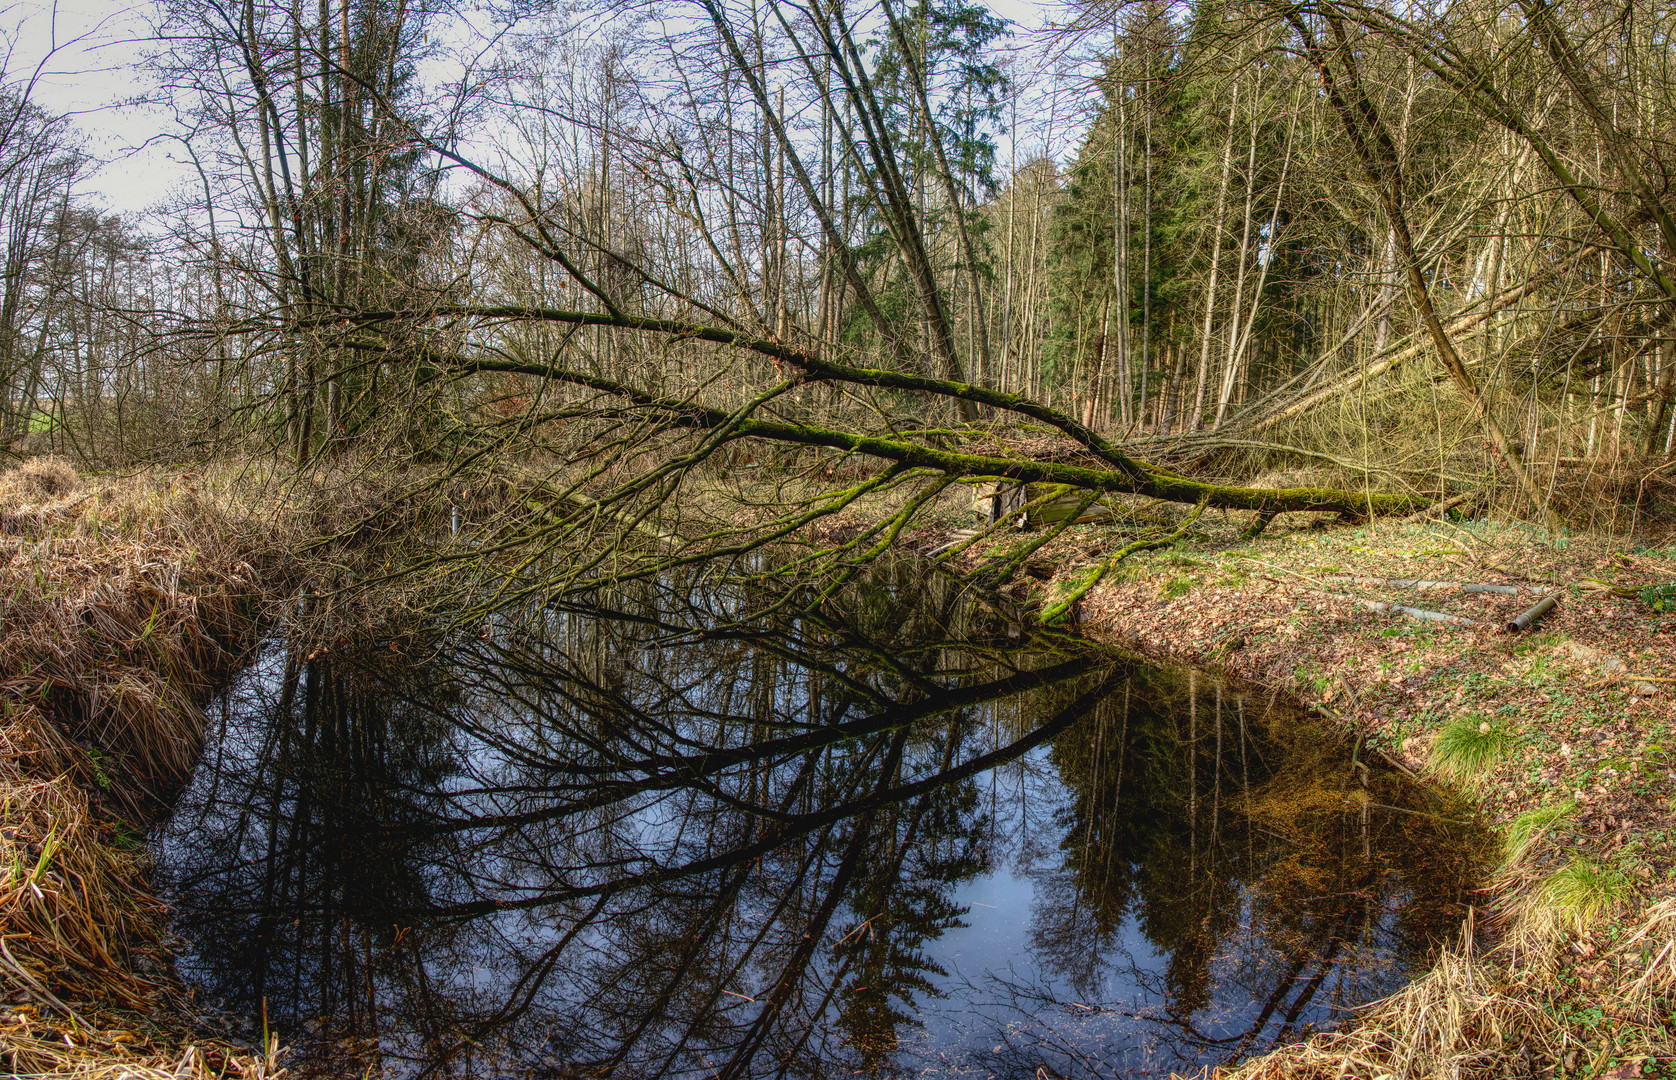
pixel 1346 244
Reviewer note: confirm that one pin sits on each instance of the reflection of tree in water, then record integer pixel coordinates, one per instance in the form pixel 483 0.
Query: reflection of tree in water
pixel 655 837
pixel 291 816
pixel 1282 882
pixel 902 894
pixel 643 843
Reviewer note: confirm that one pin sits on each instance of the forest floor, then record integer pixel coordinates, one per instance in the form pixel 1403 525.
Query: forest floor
pixel 1564 735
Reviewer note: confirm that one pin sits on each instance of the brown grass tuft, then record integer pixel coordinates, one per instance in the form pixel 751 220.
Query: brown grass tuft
pixel 1459 1019
pixel 1504 1013
pixel 46 477
pixel 1651 948
pixel 121 610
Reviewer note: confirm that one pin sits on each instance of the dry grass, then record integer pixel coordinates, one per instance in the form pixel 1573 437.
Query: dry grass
pixel 124 603
pixel 1459 1019
pixel 43 477
pixel 1654 944
pixel 1504 1015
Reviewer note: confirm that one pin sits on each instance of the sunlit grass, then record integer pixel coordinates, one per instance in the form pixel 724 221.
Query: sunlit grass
pixel 1541 912
pixel 1525 830
pixel 1583 893
pixel 1469 748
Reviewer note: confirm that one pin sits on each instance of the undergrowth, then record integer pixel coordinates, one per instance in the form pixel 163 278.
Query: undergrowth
pixel 124 602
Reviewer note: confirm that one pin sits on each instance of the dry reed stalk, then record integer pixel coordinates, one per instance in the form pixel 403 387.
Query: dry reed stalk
pixel 1461 1019
pixel 1651 949
pixel 1504 1013
pixel 121 606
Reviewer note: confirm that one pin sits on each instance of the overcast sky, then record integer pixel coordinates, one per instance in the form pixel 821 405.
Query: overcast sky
pixel 92 76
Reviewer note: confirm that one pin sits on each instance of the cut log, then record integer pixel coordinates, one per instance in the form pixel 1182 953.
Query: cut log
pixel 1412 612
pixel 1528 618
pixel 956 538
pixel 1060 509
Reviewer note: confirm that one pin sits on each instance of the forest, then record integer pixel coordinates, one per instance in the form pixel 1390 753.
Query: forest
pixel 1218 252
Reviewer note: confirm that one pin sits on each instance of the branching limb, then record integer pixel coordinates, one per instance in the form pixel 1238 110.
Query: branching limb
pixel 1259 521
pixel 1155 483
pixel 1056 611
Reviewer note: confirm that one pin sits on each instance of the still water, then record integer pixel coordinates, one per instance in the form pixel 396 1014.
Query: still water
pixel 681 833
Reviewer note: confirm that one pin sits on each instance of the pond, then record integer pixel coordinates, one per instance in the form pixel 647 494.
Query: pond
pixel 684 832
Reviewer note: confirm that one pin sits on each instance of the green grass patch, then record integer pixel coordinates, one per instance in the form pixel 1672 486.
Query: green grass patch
pixel 1583 893
pixel 1177 586
pixel 1469 747
pixel 1519 834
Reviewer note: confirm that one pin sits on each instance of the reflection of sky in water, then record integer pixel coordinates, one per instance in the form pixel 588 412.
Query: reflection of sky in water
pixel 1001 1009
pixel 262 919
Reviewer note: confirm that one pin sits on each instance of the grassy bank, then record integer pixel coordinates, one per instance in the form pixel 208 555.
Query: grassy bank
pixel 125 603
pixel 1564 735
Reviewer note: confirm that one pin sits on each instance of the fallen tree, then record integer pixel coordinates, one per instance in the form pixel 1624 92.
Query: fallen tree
pixel 1104 468
pixel 637 466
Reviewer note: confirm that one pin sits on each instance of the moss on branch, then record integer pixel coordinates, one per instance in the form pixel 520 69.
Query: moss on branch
pixel 1140 480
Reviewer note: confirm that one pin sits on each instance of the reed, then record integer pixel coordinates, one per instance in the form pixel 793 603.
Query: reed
pixel 122 604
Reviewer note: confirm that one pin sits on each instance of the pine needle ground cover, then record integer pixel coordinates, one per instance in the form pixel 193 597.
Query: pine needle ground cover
pixel 122 603
pixel 1564 736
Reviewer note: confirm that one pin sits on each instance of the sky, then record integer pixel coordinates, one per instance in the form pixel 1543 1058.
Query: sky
pixel 85 58
pixel 87 53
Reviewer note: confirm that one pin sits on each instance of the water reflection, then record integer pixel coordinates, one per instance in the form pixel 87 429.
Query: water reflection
pixel 885 839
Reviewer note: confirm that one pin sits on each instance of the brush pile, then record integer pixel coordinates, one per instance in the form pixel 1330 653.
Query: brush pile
pixel 122 603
